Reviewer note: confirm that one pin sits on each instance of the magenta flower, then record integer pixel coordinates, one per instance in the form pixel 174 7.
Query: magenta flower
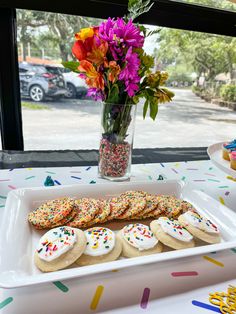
pixel 132 64
pixel 128 34
pixel 95 94
pixel 106 30
pixel 120 36
pixel 129 74
pixel 132 87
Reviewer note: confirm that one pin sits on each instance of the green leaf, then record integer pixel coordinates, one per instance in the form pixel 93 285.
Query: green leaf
pixel 113 96
pixel 71 65
pixel 138 7
pixel 145 108
pixel 153 110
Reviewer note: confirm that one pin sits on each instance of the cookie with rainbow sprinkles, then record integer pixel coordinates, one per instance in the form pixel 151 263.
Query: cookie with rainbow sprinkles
pixel 200 227
pixel 59 248
pixel 138 240
pixel 171 233
pixel 52 213
pixel 102 246
pixel 86 208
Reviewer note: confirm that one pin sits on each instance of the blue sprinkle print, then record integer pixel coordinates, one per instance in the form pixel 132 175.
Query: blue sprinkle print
pixel 76 177
pixel 206 306
pixel 57 182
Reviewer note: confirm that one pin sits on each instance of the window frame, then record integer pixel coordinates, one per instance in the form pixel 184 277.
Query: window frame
pixel 164 13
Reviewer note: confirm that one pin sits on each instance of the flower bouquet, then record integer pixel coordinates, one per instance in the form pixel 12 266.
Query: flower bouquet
pixel 118 72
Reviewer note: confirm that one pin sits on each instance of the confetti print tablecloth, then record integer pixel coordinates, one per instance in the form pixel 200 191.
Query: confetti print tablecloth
pixel 180 286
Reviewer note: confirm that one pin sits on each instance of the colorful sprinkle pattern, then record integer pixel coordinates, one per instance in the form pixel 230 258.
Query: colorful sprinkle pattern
pixel 51 213
pixel 100 241
pixel 139 236
pixel 114 158
pixel 174 229
pixel 200 222
pixel 56 242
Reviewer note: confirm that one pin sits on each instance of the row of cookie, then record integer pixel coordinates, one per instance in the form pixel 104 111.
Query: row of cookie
pixel 85 212
pixel 62 246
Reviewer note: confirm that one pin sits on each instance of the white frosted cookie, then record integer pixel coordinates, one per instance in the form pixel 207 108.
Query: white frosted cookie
pixel 138 240
pixel 200 227
pixel 59 248
pixel 102 246
pixel 171 233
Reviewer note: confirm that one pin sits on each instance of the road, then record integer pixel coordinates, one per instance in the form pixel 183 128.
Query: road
pixel 75 124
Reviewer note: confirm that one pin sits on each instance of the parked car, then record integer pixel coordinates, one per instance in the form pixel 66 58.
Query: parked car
pixel 40 81
pixel 76 86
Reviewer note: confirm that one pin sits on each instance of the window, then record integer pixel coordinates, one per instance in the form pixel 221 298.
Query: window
pixel 198 15
pixel 199 65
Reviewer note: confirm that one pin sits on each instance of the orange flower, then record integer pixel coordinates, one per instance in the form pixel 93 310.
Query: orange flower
pixel 94 78
pixel 79 50
pixel 113 72
pixel 98 53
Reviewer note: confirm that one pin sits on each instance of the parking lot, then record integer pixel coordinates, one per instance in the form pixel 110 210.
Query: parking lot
pixel 75 124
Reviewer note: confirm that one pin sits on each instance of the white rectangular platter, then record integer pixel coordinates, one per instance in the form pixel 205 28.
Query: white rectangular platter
pixel 18 239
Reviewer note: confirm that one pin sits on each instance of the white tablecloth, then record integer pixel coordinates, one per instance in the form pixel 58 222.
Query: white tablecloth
pixel 180 286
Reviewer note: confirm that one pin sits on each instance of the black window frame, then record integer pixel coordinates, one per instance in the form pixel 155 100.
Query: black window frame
pixel 165 13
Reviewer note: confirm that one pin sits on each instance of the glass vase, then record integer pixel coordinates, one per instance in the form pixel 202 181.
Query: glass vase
pixel 116 141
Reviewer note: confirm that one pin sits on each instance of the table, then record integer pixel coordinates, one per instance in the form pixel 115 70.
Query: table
pixel 180 286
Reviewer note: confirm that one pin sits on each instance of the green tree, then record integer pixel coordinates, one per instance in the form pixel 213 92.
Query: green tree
pixel 205 53
pixel 59 30
pixel 27 22
pixel 220 4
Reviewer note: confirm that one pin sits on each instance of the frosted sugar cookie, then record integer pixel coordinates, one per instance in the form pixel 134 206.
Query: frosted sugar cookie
pixel 86 208
pixel 138 240
pixel 171 233
pixel 200 227
pixel 58 248
pixel 102 246
pixel 51 212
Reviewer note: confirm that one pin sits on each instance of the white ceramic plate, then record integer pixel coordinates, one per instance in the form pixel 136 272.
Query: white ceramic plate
pixel 18 239
pixel 215 153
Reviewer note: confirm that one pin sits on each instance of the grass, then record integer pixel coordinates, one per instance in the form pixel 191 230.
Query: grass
pixel 33 106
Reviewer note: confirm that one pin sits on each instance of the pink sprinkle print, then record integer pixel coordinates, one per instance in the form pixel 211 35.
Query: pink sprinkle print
pixel 12 187
pixel 145 298
pixel 184 273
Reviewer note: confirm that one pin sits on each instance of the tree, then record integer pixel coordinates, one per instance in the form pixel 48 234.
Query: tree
pixel 220 4
pixel 27 22
pixel 59 29
pixel 204 53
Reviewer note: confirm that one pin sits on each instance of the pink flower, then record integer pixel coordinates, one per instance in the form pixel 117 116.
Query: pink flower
pixel 95 94
pixel 120 36
pixel 130 72
pixel 129 34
